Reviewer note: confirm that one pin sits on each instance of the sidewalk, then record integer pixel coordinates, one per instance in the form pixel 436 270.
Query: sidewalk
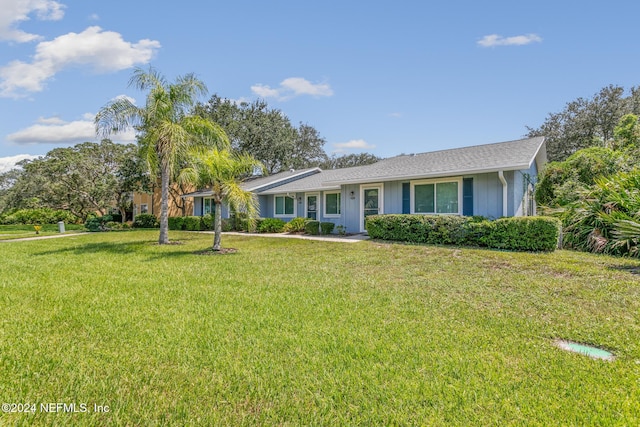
pixel 53 236
pixel 344 239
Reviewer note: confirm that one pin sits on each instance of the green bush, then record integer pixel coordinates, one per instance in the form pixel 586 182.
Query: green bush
pixel 326 227
pixel 98 223
pixel 116 226
pixel 192 223
pixel 176 223
pixel 523 234
pixel 296 225
pixel 206 222
pixel 38 216
pixel 227 224
pixel 519 233
pixel 312 227
pixel 145 221
pixel 434 229
pixel 271 225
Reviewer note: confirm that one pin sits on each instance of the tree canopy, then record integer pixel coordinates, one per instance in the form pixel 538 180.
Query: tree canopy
pixel 167 130
pixel 587 122
pixel 83 179
pixel 221 171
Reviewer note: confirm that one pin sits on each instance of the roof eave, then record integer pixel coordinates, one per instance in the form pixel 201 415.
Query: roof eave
pixel 300 190
pixel 301 173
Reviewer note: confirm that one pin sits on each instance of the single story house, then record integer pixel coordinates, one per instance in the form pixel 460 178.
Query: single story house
pixel 492 180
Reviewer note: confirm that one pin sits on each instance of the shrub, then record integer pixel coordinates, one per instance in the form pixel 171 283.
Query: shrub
pixel 296 225
pixel 176 223
pixel 326 227
pixel 271 225
pixel 312 227
pixel 145 221
pixel 116 226
pixel 227 224
pixel 521 233
pixel 434 229
pixel 206 222
pixel 38 216
pixel 192 223
pixel 98 223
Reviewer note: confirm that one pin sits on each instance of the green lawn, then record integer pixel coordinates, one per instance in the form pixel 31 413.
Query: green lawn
pixel 294 332
pixel 10 232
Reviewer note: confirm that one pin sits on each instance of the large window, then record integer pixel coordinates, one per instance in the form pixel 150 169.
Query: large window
pixel 436 197
pixel 332 204
pixel 285 206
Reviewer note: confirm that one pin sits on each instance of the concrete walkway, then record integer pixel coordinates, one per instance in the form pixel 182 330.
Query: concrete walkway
pixel 53 236
pixel 344 239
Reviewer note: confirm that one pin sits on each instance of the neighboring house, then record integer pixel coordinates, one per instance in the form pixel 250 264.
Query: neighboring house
pixel 492 180
pixel 149 203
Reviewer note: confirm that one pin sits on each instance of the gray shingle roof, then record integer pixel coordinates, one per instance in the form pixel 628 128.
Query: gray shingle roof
pixel 311 183
pixel 510 155
pixel 255 184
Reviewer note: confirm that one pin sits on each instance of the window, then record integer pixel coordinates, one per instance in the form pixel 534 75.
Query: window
pixel 332 204
pixel 144 208
pixel 436 197
pixel 208 206
pixel 285 206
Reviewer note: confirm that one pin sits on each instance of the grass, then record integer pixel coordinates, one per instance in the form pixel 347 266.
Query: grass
pixel 10 232
pixel 295 332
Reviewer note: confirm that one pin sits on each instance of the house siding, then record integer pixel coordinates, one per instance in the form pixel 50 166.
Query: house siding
pixel 198 208
pixel 487 199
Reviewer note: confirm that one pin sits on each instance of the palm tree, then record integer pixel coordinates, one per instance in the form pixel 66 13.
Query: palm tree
pixel 221 171
pixel 166 129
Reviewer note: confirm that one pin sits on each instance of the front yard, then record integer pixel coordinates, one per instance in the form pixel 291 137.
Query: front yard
pixel 296 332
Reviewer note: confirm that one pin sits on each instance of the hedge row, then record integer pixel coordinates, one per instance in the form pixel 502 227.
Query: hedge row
pixel 516 233
pixel 38 216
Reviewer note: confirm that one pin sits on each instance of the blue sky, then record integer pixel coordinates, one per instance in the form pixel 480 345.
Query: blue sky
pixel 383 77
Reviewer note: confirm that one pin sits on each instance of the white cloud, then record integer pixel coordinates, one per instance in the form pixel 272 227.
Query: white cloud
pixel 16 11
pixel 497 40
pixel 56 131
pixel 292 87
pixel 8 163
pixel 395 115
pixel 102 51
pixel 94 17
pixel 354 144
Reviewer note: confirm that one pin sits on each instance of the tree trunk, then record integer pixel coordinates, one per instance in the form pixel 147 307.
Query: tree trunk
pixel 217 227
pixel 164 205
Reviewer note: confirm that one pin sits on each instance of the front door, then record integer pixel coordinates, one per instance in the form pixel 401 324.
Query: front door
pixel 312 206
pixel 371 204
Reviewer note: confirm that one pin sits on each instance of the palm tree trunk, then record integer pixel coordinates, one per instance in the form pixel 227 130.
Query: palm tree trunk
pixel 164 205
pixel 217 227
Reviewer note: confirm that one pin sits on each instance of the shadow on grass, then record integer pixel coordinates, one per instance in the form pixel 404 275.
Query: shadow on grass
pixel 116 248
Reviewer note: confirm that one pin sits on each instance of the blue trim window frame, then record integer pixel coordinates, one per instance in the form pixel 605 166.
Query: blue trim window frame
pixel 208 206
pixel 437 196
pixel 332 202
pixel 284 206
